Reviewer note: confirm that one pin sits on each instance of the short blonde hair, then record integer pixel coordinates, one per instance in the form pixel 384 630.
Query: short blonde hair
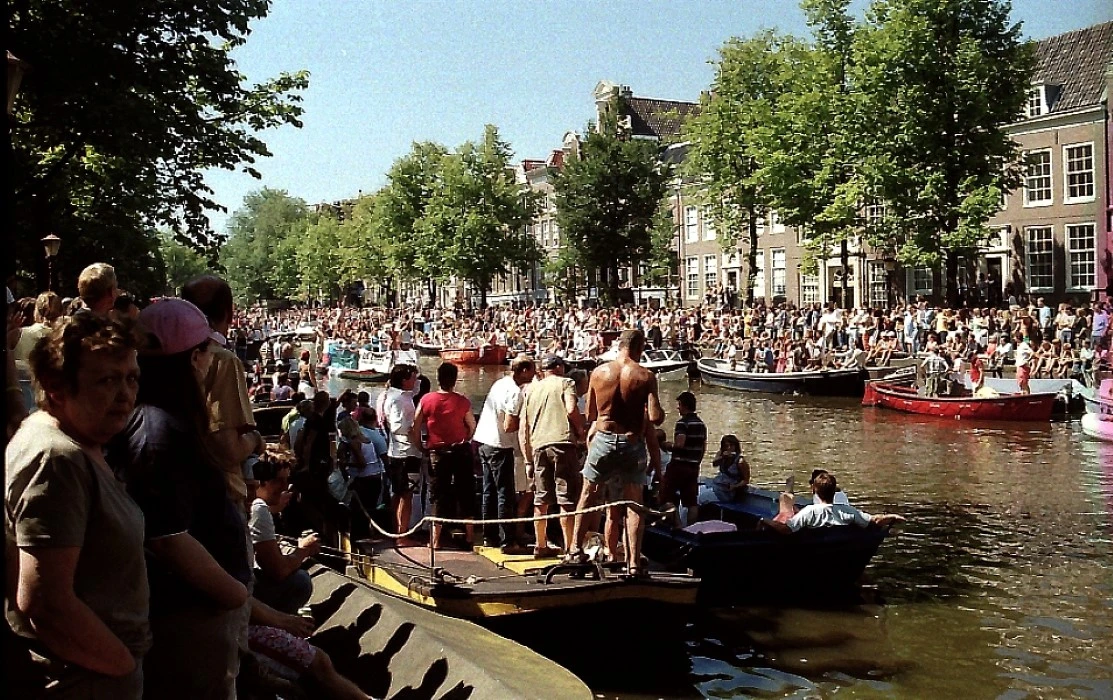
pixel 96 281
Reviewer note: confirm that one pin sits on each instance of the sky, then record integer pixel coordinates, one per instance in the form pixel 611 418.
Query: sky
pixel 387 73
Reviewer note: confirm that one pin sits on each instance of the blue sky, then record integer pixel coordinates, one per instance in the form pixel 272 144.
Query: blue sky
pixel 386 73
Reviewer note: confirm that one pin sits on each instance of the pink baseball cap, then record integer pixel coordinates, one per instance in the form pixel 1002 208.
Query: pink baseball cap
pixel 178 325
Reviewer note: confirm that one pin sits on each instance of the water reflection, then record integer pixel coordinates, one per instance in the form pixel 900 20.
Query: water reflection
pixel 1000 585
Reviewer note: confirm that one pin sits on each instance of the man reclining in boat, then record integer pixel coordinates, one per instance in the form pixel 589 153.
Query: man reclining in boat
pixel 825 513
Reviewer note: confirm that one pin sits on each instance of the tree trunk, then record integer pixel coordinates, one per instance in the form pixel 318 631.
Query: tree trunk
pixel 751 261
pixel 483 285
pixel 952 279
pixel 844 260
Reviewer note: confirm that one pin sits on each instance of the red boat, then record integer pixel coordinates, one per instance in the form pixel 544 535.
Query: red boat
pixel 486 355
pixel 1010 407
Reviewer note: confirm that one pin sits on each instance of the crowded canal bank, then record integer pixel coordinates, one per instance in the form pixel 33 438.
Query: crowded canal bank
pixel 998 585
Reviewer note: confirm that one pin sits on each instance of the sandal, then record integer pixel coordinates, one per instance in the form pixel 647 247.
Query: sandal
pixel 545 552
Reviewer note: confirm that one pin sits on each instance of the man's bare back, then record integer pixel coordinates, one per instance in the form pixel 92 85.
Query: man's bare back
pixel 619 395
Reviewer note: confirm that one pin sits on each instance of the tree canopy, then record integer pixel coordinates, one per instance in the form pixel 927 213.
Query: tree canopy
pixel 126 106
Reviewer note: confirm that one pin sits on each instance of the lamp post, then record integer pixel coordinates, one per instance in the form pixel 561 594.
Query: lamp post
pixel 51 245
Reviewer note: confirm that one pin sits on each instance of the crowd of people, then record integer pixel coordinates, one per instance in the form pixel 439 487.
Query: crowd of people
pixel 156 540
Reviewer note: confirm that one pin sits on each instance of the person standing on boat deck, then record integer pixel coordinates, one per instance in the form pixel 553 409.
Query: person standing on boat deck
pixel 498 422
pixel 77 593
pixel 447 420
pixel 680 484
pixel 403 455
pixel 1024 356
pixel 232 434
pixel 622 405
pixel 551 429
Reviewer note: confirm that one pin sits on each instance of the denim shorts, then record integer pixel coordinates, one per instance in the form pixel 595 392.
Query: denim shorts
pixel 613 457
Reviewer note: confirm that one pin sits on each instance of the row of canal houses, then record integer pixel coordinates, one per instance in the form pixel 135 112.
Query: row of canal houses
pixel 1051 238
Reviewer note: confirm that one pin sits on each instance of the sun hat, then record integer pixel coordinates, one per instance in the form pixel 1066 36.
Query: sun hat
pixel 177 325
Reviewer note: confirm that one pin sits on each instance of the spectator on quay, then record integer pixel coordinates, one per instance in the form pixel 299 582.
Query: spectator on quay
pixel 232 435
pixel 1099 326
pixel 445 416
pixel 198 565
pixel 494 433
pixel 280 582
pixel 97 289
pixel 125 307
pixel 77 581
pixel 293 423
pixel 47 311
pixel 680 484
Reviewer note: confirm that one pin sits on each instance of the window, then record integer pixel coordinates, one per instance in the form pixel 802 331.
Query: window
pixel 691 225
pixel 691 275
pixel 1037 178
pixel 809 289
pixel 1040 245
pixel 778 272
pixel 730 259
pixel 545 233
pixel 921 280
pixel 758 275
pixel 709 231
pixel 875 215
pixel 710 273
pixel 760 225
pixel 1081 253
pixel 879 285
pixel 1036 103
pixel 1078 164
pixel 775 222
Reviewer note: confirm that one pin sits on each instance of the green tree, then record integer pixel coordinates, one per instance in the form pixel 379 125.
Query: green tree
pixel 477 218
pixel 940 79
pixel 724 159
pixel 182 263
pixel 125 109
pixel 608 201
pixel 319 259
pixel 260 256
pixel 364 253
pixel 400 206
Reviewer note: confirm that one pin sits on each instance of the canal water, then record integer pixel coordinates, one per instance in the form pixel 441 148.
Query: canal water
pixel 1000 585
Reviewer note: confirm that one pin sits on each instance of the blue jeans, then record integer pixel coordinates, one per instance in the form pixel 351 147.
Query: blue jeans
pixel 498 491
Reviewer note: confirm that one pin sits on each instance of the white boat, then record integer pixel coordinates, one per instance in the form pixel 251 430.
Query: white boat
pixel 375 363
pixel 665 363
pixel 1098 426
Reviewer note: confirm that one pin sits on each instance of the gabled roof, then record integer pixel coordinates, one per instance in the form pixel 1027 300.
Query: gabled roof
pixel 660 119
pixel 1075 63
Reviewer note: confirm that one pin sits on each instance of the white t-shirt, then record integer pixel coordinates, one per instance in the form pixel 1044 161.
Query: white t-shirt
pixel 398 417
pixel 827 514
pixel 261 525
pixel 504 398
pixel 1024 354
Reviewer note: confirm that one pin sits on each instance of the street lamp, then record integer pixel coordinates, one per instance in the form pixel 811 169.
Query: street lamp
pixel 51 244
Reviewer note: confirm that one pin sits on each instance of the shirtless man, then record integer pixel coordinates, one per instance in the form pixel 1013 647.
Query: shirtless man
pixel 622 404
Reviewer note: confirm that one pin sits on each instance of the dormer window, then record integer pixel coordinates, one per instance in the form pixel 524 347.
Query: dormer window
pixel 1036 103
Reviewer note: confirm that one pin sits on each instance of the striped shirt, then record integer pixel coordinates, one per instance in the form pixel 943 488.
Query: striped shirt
pixel 695 441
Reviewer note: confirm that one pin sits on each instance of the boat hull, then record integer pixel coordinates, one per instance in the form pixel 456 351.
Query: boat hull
pixel 1018 407
pixel 486 355
pixel 848 382
pixel 427 350
pixel 393 649
pixel 752 564
pixel 362 375
pixel 1098 427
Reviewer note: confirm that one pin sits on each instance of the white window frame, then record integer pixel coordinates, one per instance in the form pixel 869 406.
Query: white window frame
pixel 1049 252
pixel 809 289
pixel 780 272
pixel 710 233
pixel 691 224
pixel 1050 179
pixel 710 273
pixel 758 280
pixel 760 225
pixel 1067 198
pixel 918 274
pixel 1036 105
pixel 1073 250
pixel 775 223
pixel 879 284
pixel 691 276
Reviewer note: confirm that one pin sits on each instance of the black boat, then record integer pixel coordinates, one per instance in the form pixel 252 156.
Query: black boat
pixel 755 562
pixel 834 382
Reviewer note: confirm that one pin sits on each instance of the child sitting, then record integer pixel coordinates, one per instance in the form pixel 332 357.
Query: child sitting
pixel 734 470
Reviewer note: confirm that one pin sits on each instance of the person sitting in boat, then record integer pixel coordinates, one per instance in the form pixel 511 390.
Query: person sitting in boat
pixel 824 513
pixel 733 477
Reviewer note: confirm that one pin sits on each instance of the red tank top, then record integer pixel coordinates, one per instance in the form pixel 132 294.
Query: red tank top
pixel 444 418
